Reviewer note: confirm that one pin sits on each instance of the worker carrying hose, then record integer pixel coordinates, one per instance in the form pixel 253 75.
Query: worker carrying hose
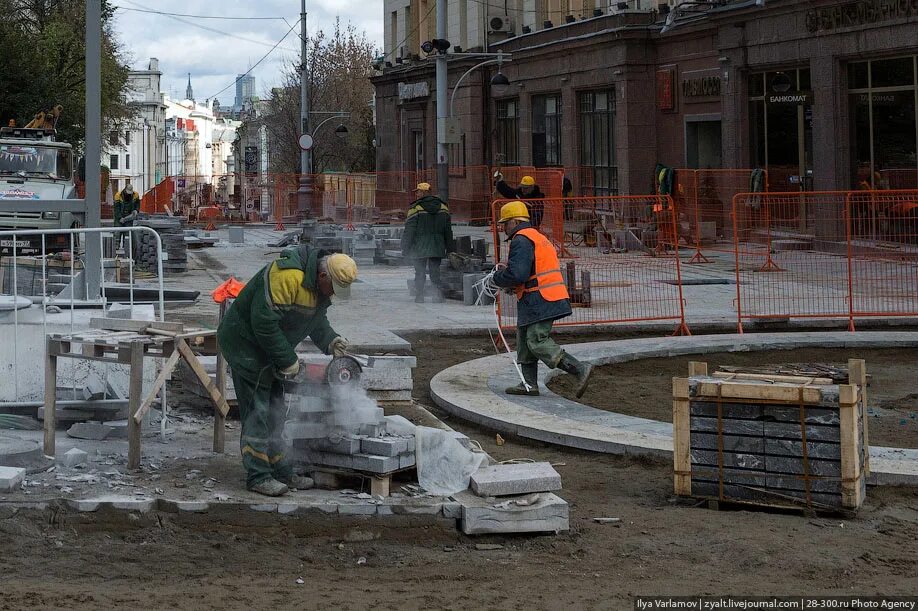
pixel 283 304
pixel 533 272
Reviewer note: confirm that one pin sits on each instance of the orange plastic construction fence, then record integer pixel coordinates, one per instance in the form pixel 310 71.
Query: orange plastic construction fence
pixel 833 254
pixel 622 270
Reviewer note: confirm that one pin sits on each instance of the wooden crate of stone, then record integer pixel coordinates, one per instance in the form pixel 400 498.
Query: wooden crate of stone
pixel 778 441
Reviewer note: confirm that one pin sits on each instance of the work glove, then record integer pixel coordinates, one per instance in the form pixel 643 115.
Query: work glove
pixel 289 373
pixel 338 346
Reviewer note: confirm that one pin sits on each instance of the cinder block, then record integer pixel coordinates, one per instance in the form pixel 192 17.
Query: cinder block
pixel 89 430
pixel 73 457
pixel 545 512
pixel 375 464
pixel 344 461
pixel 384 446
pixel 509 479
pixel 406 460
pixel 11 478
pixel 349 444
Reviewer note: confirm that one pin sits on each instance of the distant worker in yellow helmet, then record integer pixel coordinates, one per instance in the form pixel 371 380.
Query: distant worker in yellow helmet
pixel 533 273
pixel 427 239
pixel 528 192
pixel 283 304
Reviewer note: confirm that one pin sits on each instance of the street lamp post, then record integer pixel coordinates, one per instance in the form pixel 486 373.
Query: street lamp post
pixel 304 193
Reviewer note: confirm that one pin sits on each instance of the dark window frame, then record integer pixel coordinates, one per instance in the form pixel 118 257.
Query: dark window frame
pixel 507 124
pixel 597 141
pixel 546 130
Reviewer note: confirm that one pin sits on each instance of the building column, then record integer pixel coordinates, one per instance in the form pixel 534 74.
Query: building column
pixel 830 126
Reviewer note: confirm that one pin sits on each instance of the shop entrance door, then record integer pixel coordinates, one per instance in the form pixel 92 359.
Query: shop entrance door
pixel 703 143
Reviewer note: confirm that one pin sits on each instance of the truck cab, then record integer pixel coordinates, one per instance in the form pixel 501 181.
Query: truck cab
pixel 33 167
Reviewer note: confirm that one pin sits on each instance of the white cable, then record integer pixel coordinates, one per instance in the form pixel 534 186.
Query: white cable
pixel 487 288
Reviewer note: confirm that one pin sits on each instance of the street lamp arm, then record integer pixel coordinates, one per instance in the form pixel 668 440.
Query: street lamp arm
pixel 487 62
pixel 343 115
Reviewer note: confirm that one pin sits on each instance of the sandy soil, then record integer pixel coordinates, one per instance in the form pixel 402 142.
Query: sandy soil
pixel 163 561
pixel 644 388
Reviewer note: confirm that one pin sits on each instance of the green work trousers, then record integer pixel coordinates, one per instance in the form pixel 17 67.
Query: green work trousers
pixel 262 413
pixel 534 344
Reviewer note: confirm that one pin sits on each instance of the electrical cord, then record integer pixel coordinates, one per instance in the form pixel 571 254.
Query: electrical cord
pixel 487 288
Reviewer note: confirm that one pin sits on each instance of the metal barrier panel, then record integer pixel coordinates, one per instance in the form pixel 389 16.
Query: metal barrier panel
pixel 704 203
pixel 791 255
pixel 622 270
pixel 51 294
pixel 883 253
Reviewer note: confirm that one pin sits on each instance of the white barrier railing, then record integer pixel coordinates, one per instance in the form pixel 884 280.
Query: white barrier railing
pixel 37 240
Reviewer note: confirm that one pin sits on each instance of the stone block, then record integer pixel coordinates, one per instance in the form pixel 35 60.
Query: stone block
pixel 384 446
pixel 371 430
pixel 375 464
pixel 305 430
pixel 349 444
pixel 83 505
pixel 73 457
pixel 406 460
pixel 410 443
pixel 89 430
pixel 367 509
pixel 512 479
pixel 390 395
pixel 399 425
pixel 119 429
pixel 309 405
pixel 236 235
pixel 11 478
pixel 544 512
pixel 452 510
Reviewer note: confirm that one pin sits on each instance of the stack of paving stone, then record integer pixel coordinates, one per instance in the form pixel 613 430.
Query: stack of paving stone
pixel 324 432
pixel 363 248
pixel 175 251
pixel 460 272
pixel 389 246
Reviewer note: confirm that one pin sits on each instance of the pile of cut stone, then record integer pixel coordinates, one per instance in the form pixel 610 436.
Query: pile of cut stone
pixel 329 427
pixel 172 234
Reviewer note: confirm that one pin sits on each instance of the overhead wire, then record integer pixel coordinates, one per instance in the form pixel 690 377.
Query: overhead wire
pixel 223 17
pixel 433 5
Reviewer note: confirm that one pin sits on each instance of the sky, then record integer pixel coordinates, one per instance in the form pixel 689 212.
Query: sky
pixel 216 55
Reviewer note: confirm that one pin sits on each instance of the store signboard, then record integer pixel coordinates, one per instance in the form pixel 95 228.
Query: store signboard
pixel 859 14
pixel 804 98
pixel 666 84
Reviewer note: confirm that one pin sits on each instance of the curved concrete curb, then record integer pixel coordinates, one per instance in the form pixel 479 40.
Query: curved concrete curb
pixel 474 391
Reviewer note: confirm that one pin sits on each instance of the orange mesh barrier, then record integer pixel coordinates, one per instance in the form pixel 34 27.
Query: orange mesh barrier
pixel 623 271
pixel 156 199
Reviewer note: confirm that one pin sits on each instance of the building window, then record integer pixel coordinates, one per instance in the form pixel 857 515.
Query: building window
pixel 457 158
pixel 781 120
pixel 546 130
pixel 127 138
pixel 599 174
pixel 113 162
pixel 883 97
pixel 508 145
pixel 127 161
pixel 113 139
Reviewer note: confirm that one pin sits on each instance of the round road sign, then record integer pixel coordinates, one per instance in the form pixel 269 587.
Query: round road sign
pixel 305 142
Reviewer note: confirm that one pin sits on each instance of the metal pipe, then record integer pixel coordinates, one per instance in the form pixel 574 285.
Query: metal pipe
pixel 442 84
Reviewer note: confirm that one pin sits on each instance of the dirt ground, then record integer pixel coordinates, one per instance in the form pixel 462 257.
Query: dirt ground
pixel 661 546
pixel 643 388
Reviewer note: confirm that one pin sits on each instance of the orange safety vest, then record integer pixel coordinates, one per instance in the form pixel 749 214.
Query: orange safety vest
pixel 548 278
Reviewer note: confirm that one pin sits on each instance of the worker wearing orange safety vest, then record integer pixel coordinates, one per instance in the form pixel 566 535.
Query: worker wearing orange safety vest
pixel 533 273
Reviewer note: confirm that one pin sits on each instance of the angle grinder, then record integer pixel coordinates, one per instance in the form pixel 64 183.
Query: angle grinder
pixel 340 371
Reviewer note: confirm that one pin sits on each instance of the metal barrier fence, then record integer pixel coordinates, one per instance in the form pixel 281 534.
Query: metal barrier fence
pixel 623 270
pixel 704 204
pixel 56 267
pixel 833 254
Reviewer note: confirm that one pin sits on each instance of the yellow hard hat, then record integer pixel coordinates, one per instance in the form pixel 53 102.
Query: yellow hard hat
pixel 423 186
pixel 527 181
pixel 342 270
pixel 513 210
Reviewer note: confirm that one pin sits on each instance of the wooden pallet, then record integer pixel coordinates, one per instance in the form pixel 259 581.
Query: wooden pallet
pixel 380 483
pixel 771 440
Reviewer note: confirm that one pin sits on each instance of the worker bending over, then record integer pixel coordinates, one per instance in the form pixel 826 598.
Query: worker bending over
pixel 533 272
pixel 283 304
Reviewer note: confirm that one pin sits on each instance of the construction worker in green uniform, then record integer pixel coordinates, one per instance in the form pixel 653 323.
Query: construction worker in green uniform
pixel 127 204
pixel 283 304
pixel 427 239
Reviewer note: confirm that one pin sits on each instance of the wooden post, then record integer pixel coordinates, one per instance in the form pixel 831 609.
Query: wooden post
pixel 857 374
pixel 50 397
pixel 219 418
pixel 135 390
pixel 850 456
pixel 682 459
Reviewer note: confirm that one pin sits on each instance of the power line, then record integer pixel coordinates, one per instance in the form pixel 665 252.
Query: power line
pixel 433 5
pixel 263 58
pixel 168 14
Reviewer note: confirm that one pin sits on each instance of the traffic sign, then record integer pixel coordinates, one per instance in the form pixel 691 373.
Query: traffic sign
pixel 305 142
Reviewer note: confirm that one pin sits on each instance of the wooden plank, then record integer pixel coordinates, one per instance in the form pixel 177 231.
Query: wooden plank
pixel 137 326
pixel 764 377
pixel 794 466
pixel 857 374
pixel 740 411
pixel 850 449
pixel 700 424
pixel 734 460
pixel 50 399
pixel 814 432
pixel 814 449
pixel 791 413
pixel 757 496
pixel 765 392
pixel 731 443
pixel 730 476
pixel 135 388
pixel 163 325
pixel 379 485
pixel 168 366
pixel 219 418
pixel 682 462
pixel 205 379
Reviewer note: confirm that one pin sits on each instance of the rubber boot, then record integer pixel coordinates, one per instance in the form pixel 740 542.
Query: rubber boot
pixel 578 369
pixel 270 487
pixel 531 375
pixel 298 482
